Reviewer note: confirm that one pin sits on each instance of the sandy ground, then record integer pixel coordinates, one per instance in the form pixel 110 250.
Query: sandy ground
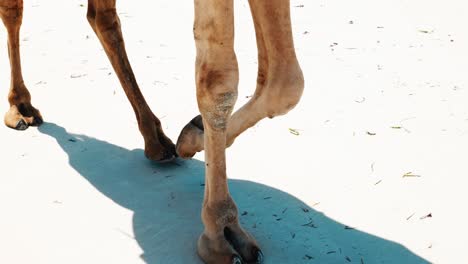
pixel 371 167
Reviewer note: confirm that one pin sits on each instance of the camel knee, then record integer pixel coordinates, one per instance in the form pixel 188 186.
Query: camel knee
pixel 286 89
pixel 217 88
pixel 11 13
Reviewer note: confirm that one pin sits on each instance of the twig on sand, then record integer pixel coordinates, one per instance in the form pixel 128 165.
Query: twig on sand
pixel 410 174
pixel 401 124
pixel 425 31
pixel 294 131
pixel 74 76
pixel 426 216
pixel 360 101
pixel 310 224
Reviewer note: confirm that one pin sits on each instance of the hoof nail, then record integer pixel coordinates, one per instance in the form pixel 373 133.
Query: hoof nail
pixel 38 121
pixel 259 257
pixel 167 157
pixel 21 125
pixel 198 122
pixel 236 260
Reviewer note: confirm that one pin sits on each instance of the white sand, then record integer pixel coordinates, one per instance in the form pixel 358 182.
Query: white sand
pixel 394 72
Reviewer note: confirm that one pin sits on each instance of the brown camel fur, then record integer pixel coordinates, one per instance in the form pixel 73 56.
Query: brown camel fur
pixel 279 87
pixel 102 17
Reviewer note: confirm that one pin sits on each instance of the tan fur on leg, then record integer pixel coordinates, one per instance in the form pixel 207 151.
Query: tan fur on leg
pixel 279 83
pixel 223 240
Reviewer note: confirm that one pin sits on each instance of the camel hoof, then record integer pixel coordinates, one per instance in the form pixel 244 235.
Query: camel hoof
pixel 236 260
pixel 21 125
pixel 21 116
pixel 162 153
pixel 259 257
pixel 191 138
pixel 37 121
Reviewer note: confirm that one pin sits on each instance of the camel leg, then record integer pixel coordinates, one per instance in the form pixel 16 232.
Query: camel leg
pixel 279 81
pixel 21 114
pixel 223 240
pixel 103 18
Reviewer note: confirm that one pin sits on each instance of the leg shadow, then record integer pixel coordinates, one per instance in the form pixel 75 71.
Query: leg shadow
pixel 166 201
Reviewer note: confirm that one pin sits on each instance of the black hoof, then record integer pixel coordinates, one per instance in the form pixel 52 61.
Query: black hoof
pixel 21 125
pixel 259 257
pixel 236 260
pixel 198 122
pixel 167 159
pixel 37 121
pixel 167 156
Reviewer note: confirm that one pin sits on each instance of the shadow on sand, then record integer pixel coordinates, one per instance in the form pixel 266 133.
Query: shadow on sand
pixel 166 201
